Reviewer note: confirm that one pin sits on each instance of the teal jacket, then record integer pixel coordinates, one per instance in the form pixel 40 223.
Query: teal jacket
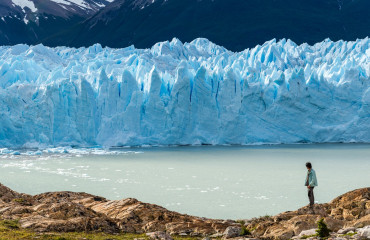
pixel 311 179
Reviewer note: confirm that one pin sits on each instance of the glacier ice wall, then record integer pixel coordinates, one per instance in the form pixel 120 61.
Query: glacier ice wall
pixel 192 93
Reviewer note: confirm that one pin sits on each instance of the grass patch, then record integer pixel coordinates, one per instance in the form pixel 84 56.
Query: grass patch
pixel 18 200
pixel 349 234
pixel 265 217
pixel 241 222
pixel 244 230
pixel 10 230
pixel 10 224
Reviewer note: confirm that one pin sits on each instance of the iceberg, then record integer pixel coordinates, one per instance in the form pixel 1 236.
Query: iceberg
pixel 184 94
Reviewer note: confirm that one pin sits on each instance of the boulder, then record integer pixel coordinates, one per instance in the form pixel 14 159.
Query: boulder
pixel 280 234
pixel 302 222
pixel 346 230
pixel 307 232
pixel 359 223
pixel 159 236
pixel 232 231
pixel 334 224
pixel 364 232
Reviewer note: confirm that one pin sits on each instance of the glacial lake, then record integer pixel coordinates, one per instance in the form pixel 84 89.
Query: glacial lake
pixel 228 182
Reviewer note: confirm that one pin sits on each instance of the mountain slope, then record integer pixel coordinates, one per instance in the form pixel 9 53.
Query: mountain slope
pixel 234 24
pixel 30 21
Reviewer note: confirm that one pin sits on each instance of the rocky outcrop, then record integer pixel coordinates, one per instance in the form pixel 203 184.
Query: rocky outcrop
pixel 132 215
pixel 348 210
pixel 7 195
pixel 59 212
pixel 69 211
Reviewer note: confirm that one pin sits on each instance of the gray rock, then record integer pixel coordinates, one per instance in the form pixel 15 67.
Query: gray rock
pixel 159 236
pixel 232 232
pixel 307 233
pixel 346 230
pixel 364 232
pixel 4 209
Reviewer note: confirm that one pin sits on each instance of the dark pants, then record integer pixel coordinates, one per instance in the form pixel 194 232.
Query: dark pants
pixel 310 196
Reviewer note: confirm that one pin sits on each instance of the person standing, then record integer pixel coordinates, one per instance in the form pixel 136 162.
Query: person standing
pixel 311 183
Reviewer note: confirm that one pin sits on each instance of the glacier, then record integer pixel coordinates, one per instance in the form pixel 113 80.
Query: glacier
pixel 185 94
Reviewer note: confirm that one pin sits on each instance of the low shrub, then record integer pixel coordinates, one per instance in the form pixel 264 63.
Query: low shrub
pixel 244 231
pixel 322 229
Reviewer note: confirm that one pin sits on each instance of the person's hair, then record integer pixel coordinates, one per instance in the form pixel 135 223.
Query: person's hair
pixel 308 164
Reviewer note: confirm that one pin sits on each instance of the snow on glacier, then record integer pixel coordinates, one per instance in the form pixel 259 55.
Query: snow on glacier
pixel 192 93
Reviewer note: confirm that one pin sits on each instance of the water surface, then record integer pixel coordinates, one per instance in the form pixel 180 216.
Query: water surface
pixel 219 182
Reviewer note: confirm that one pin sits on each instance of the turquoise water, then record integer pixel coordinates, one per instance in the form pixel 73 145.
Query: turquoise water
pixel 219 182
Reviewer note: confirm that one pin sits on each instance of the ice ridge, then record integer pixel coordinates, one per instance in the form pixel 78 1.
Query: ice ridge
pixel 185 93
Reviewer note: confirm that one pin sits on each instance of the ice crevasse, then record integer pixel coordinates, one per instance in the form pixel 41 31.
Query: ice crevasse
pixel 191 93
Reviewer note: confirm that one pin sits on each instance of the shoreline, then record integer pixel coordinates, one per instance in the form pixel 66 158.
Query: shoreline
pixel 83 212
pixel 252 145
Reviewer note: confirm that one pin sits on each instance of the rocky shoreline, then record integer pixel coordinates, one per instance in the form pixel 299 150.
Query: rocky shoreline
pixel 347 216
